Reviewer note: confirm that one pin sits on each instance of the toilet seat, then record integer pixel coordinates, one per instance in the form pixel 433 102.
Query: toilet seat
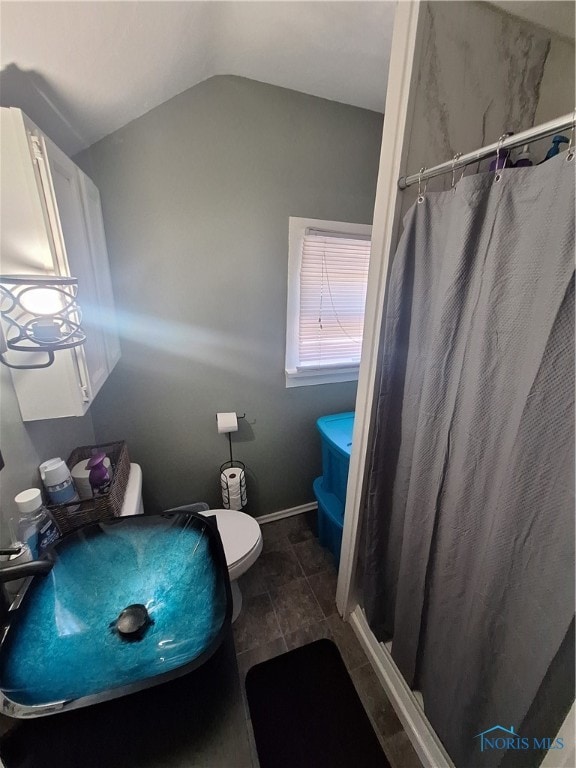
pixel 241 539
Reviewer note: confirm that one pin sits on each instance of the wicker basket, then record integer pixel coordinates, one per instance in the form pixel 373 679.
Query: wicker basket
pixel 74 514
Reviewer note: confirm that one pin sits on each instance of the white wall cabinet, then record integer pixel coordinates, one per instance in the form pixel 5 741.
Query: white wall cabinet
pixel 51 223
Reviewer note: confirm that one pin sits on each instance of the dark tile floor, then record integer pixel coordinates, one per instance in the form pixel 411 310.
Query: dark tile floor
pixel 289 600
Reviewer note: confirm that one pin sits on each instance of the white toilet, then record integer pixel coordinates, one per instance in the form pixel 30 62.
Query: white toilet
pixel 241 535
pixel 242 542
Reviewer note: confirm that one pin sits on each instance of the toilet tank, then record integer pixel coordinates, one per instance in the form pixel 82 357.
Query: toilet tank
pixel 336 435
pixel 132 504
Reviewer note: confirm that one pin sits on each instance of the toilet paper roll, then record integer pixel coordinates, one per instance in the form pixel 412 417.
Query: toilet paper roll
pixel 227 422
pixel 233 483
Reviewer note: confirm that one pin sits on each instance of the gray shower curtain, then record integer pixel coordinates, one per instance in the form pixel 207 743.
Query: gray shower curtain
pixel 468 531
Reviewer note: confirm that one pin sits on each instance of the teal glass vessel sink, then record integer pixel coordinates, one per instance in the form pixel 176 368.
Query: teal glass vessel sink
pixel 127 604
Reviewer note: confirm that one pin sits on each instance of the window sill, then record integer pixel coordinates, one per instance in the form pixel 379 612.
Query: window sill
pixel 328 376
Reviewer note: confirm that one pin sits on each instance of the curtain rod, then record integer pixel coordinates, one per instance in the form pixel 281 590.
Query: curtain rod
pixel 517 140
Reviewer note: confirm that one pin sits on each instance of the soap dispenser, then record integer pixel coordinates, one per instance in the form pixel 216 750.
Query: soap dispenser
pixel 100 477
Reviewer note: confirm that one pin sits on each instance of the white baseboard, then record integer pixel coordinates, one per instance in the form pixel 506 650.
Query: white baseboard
pixel 410 713
pixel 282 513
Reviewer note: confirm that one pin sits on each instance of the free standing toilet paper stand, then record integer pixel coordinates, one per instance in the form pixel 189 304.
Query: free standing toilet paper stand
pixel 229 465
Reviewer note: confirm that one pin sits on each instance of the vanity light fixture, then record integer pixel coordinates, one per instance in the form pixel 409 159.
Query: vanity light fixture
pixel 40 314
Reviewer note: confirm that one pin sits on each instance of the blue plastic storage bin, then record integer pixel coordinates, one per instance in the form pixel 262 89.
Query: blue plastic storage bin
pixel 336 434
pixel 330 488
pixel 330 520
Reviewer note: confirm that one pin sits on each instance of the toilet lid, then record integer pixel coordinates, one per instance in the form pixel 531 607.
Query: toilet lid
pixel 240 533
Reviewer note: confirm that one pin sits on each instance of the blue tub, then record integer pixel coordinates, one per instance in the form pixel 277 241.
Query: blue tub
pixel 330 488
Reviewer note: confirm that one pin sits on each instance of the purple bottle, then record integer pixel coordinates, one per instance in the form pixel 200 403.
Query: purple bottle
pixel 503 161
pixel 99 477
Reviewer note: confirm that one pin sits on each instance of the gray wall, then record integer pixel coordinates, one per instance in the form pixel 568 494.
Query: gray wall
pixel 25 446
pixel 196 197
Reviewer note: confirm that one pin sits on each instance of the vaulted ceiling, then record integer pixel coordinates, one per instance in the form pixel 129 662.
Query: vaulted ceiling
pixel 91 67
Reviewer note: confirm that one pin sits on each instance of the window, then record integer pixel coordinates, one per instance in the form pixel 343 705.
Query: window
pixel 327 278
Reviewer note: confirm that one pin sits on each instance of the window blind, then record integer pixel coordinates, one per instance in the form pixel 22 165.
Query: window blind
pixel 333 279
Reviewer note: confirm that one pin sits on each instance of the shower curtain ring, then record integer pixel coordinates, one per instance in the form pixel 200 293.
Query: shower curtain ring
pixel 454 161
pixel 570 155
pixel 420 193
pixel 501 140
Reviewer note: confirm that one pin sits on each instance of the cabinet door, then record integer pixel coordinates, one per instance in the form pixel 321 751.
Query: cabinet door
pixel 27 246
pixel 100 264
pixel 66 186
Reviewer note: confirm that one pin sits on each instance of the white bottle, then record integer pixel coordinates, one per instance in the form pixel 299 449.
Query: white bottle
pixel 36 529
pixel 58 482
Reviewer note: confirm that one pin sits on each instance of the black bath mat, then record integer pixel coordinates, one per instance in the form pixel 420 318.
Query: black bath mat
pixel 306 713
